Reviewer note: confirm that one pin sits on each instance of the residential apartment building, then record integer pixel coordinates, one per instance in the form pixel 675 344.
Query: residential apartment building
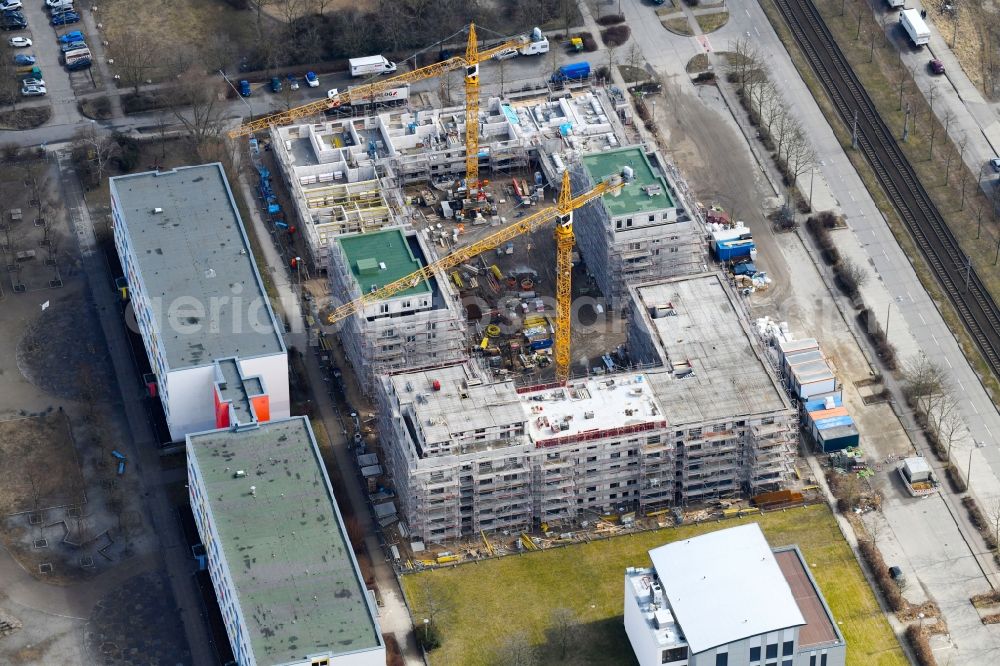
pixel 420 327
pixel 643 232
pixel 282 566
pixel 727 599
pixel 196 292
pixel 734 430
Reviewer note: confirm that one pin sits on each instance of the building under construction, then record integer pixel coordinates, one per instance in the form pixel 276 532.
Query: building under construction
pixel 467 453
pixel 644 232
pixel 350 175
pixel 420 327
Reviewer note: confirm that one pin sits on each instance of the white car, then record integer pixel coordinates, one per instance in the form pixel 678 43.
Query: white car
pixel 27 83
pixel 332 92
pixel 7 5
pixel 32 91
pixel 19 42
pixel 58 3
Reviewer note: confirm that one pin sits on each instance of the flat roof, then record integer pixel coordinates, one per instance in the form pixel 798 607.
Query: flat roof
pixel 633 197
pixel 718 371
pixel 597 404
pixel 461 404
pixel 368 253
pixel 237 390
pixel 725 586
pixel 295 575
pixel 819 628
pixel 194 259
pixel 659 621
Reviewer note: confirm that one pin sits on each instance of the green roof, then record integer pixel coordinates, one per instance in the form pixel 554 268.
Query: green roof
pixel 295 575
pixel 368 253
pixel 634 197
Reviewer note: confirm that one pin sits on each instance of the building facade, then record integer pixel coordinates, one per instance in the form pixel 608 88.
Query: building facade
pixel 641 233
pixel 727 599
pixel 281 564
pixel 195 291
pixel 420 327
pixel 467 453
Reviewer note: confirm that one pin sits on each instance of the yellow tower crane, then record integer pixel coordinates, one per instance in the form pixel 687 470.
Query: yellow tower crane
pixel 473 56
pixel 563 210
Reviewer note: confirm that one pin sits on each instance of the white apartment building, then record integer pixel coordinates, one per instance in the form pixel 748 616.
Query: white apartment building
pixel 641 233
pixel 195 290
pixel 282 566
pixel 727 599
pixel 420 327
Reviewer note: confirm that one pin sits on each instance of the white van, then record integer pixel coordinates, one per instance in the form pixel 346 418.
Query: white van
pixel 371 65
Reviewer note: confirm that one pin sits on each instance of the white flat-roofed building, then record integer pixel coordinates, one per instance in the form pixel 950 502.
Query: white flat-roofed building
pixel 281 563
pixel 725 598
pixel 195 290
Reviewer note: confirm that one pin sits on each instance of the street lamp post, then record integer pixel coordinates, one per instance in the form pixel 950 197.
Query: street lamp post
pixel 238 94
pixel 427 624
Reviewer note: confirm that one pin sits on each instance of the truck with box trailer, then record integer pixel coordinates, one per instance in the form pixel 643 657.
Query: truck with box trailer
pixel 390 96
pixel 915 27
pixel 573 72
pixel 370 65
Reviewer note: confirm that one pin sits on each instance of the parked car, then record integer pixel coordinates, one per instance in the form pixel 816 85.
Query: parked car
pixel 75 36
pixel 293 83
pixel 65 19
pixel 936 66
pixel 32 91
pixel 19 42
pixel 12 23
pixel 13 14
pixel 245 88
pixel 995 163
pixel 312 80
pixel 332 92
pixel 275 84
pixel 897 575
pixel 59 11
pixel 24 59
pixel 72 46
pixel 33 82
pixel 10 4
pixel 58 3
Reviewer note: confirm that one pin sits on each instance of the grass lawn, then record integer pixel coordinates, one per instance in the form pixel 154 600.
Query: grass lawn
pixel 712 22
pixel 679 26
pixel 480 605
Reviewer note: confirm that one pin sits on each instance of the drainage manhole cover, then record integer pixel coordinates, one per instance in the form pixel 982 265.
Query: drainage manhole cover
pixel 86 562
pixel 34 518
pixel 45 567
pixel 41 543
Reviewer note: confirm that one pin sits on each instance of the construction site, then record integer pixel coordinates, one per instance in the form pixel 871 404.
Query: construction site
pixel 523 290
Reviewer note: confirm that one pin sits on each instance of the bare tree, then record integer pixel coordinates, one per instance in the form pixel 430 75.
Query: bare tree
pixel 516 651
pixel 993 513
pixel 770 104
pixel 853 273
pixel 800 156
pixel 922 378
pixel 959 151
pixel 434 603
pixel 201 109
pixel 219 50
pixel 36 179
pixel 98 148
pixel 258 6
pixel 932 95
pixel 135 55
pixel 567 8
pixel 565 627
pixel 290 10
pixel 634 56
pixel 930 144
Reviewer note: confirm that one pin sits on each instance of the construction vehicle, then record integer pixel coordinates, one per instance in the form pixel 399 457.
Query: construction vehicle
pixel 563 211
pixel 473 56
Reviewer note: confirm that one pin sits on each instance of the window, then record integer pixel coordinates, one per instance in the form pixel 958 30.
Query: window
pixel 772 651
pixel 755 653
pixel 822 659
pixel 722 659
pixel 674 654
pixel 812 660
pixel 652 218
pixel 787 648
pixel 383 308
pixel 787 662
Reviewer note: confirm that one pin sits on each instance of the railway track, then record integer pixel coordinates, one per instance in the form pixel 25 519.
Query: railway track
pixel 975 306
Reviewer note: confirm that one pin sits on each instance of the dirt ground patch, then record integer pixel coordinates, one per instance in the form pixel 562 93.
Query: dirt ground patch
pixel 678 26
pixel 136 623
pixel 712 22
pixel 40 464
pixel 22 119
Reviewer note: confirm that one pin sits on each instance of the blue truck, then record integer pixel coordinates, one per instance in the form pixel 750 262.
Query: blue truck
pixel 572 72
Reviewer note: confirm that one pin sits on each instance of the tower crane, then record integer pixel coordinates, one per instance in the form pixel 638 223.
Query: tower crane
pixel 473 56
pixel 563 211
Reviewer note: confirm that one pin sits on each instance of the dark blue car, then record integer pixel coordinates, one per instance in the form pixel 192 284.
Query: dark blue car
pixel 75 36
pixel 65 19
pixel 23 59
pixel 245 88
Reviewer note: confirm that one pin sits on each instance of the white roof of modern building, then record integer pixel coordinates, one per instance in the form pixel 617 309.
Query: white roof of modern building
pixel 188 243
pixel 292 566
pixel 725 586
pixel 595 405
pixel 717 371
